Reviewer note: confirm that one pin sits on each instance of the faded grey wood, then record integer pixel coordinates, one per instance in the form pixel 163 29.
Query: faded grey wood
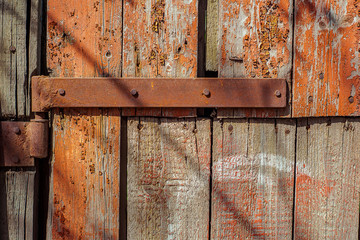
pixel 212 39
pixel 168 178
pixel 327 178
pixel 13 66
pixel 253 179
pixel 34 52
pixel 17 204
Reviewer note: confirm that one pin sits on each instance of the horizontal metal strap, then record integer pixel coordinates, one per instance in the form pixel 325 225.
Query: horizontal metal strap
pixel 157 92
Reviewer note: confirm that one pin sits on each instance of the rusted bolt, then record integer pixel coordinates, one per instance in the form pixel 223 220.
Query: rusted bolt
pixel 351 99
pixel 61 92
pixel 17 131
pixel 310 99
pixel 206 92
pixel 134 92
pixel 278 93
pixel 321 75
pixel 12 49
pixel 230 128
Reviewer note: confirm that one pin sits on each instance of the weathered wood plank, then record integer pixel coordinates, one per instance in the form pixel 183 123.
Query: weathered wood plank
pixel 84 198
pixel 160 40
pixel 85 39
pixel 212 32
pixel 327 72
pixel 17 205
pixel 327 179
pixel 168 178
pixel 13 59
pixel 259 34
pixel 253 179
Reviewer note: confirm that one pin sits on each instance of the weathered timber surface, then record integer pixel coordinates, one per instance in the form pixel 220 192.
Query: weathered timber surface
pixel 327 179
pixel 253 179
pixel 85 40
pixel 14 50
pixel 259 35
pixel 212 32
pixel 84 198
pixel 160 40
pixel 168 178
pixel 16 205
pixel 327 62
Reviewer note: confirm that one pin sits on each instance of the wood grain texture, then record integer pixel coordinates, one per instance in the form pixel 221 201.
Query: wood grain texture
pixel 259 34
pixel 85 40
pixel 212 33
pixel 14 96
pixel 168 178
pixel 326 70
pixel 327 179
pixel 17 205
pixel 160 40
pixel 253 179
pixel 84 201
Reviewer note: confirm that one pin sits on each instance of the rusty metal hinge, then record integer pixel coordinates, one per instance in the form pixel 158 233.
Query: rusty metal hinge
pixel 21 142
pixel 50 92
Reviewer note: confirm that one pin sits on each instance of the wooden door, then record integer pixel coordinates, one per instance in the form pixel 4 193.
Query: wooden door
pixel 168 173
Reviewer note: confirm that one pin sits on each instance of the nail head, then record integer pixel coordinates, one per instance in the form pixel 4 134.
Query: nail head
pixel 61 92
pixel 134 92
pixel 278 93
pixel 206 92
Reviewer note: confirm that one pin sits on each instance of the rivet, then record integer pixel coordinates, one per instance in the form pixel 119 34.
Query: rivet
pixel 351 99
pixel 230 128
pixel 17 131
pixel 12 49
pixel 310 99
pixel 61 92
pixel 321 75
pixel 134 92
pixel 278 93
pixel 206 92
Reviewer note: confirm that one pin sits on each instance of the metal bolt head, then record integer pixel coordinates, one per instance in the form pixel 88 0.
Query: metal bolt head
pixel 134 92
pixel 12 49
pixel 351 99
pixel 61 92
pixel 278 93
pixel 230 128
pixel 310 99
pixel 206 92
pixel 17 131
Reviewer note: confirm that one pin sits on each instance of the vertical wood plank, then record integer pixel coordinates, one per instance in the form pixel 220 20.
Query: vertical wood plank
pixel 259 34
pixel 161 40
pixel 85 40
pixel 327 58
pixel 253 179
pixel 327 179
pixel 17 201
pixel 168 178
pixel 13 59
pixel 212 33
pixel 85 200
